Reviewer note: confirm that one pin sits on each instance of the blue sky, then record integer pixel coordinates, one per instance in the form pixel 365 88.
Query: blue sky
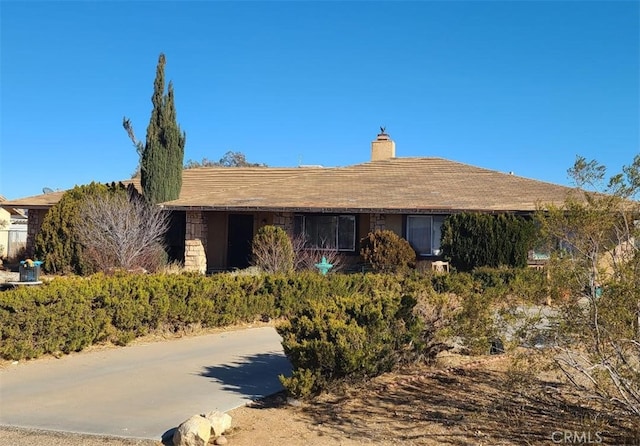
pixel 520 86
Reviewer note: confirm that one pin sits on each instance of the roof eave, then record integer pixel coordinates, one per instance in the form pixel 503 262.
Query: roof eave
pixel 341 210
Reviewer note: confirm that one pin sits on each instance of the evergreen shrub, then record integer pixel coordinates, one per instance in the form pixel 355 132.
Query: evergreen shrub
pixel 385 251
pixel 459 283
pixel 524 284
pixel 347 337
pixel 474 323
pixel 272 250
pixel 471 240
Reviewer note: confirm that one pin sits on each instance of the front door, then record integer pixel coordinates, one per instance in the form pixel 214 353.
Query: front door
pixel 239 241
pixel 174 237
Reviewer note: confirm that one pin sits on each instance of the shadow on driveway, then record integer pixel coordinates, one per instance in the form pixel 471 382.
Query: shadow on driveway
pixel 254 376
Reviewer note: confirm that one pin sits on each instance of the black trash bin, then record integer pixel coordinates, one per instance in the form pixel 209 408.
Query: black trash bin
pixel 29 271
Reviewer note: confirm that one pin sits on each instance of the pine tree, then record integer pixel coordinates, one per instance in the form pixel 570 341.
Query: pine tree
pixel 162 156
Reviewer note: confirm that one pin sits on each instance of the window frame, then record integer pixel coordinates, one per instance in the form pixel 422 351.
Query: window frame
pixel 303 230
pixel 433 252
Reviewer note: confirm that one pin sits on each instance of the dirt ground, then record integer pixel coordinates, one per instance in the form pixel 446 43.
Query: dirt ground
pixel 460 401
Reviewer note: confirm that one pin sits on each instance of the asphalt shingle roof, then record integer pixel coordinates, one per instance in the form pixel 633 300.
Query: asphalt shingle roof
pixel 397 185
pixel 393 185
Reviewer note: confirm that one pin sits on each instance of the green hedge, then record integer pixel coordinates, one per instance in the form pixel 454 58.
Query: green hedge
pixel 472 240
pixel 522 284
pixel 70 313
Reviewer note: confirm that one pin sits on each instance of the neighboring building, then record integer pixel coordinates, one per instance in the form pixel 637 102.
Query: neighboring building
pixel 220 209
pixel 13 231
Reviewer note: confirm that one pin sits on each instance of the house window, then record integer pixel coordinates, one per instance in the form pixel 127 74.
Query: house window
pixel 330 232
pixel 423 233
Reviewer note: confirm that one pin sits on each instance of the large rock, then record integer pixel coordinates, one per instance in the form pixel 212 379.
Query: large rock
pixel 220 422
pixel 221 440
pixel 196 431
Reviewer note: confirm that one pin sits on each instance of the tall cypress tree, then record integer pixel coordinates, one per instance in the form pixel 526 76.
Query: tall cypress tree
pixel 162 156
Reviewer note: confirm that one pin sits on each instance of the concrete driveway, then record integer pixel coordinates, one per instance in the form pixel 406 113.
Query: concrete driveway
pixel 143 391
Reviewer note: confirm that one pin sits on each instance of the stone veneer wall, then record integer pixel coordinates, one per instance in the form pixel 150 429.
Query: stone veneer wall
pixel 34 222
pixel 195 245
pixel 284 220
pixel 377 222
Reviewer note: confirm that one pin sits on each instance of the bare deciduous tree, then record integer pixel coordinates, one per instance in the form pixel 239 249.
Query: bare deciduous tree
pixel 597 269
pixel 307 255
pixel 118 231
pixel 230 159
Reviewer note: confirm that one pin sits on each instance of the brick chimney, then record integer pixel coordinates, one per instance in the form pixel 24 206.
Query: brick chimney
pixel 383 147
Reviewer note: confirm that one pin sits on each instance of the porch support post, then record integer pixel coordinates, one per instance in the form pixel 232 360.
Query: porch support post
pixel 284 220
pixel 377 222
pixel 195 243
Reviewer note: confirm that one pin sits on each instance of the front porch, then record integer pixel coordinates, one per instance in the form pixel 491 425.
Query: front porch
pixel 221 240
